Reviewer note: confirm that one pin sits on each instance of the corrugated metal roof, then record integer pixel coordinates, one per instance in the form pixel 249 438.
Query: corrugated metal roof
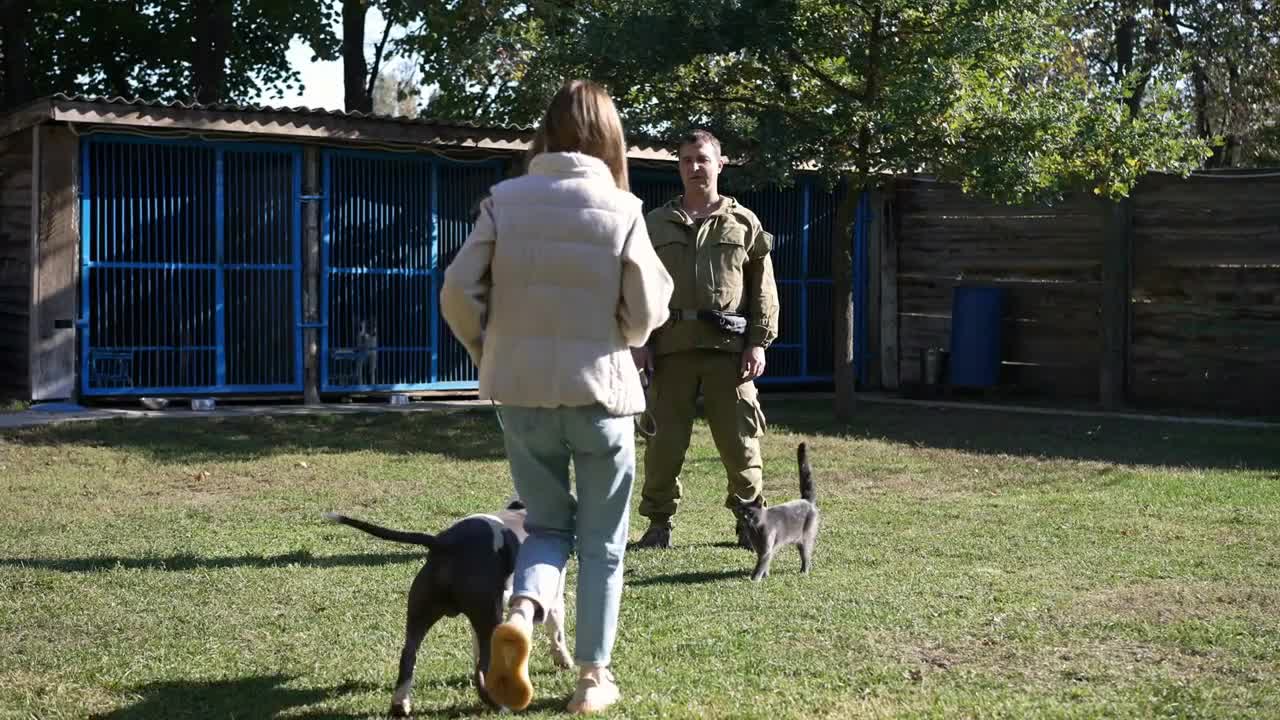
pixel 285 109
pixel 298 122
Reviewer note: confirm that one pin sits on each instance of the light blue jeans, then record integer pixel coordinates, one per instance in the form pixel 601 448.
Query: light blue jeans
pixel 540 443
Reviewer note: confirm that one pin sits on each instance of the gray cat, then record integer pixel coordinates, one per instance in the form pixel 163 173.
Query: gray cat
pixel 791 523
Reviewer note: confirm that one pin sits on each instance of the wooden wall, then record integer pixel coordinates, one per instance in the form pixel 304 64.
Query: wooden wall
pixel 1201 328
pixel 15 263
pixel 1049 260
pixel 54 307
pixel 1206 294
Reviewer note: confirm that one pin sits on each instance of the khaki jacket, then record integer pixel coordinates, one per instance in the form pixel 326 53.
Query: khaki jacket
pixel 721 263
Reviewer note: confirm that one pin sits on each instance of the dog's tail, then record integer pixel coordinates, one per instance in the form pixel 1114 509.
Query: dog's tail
pixel 808 490
pixel 400 536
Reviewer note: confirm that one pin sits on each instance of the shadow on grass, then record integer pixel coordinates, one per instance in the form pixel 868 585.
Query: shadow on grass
pixel 995 432
pixel 692 578
pixel 457 434
pixel 461 710
pixel 179 563
pixel 249 697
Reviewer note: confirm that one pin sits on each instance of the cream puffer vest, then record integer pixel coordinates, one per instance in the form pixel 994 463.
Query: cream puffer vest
pixel 554 285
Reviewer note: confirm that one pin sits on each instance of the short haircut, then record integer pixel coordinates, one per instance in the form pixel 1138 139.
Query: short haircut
pixel 698 137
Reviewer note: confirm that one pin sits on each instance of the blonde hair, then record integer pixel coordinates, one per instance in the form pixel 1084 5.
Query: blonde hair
pixel 582 118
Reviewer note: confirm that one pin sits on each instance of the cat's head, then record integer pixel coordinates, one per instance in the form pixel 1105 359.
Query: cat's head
pixel 749 510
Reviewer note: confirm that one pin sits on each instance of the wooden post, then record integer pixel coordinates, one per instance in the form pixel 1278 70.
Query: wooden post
pixel 888 274
pixel 311 274
pixel 1117 257
pixel 55 265
pixel 875 249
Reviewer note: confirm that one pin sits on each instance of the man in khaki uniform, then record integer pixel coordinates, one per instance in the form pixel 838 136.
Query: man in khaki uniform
pixel 724 313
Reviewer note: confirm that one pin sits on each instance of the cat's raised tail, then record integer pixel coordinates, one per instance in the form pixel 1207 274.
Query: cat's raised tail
pixel 808 490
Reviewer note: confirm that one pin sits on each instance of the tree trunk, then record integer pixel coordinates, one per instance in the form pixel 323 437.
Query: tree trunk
pixel 13 45
pixel 213 23
pixel 842 300
pixel 355 71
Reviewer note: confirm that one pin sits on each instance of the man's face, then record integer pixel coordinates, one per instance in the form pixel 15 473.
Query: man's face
pixel 700 167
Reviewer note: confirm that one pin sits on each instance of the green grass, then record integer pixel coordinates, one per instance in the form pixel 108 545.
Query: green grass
pixel 971 564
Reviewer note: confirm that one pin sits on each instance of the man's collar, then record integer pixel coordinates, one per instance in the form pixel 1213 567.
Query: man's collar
pixel 675 209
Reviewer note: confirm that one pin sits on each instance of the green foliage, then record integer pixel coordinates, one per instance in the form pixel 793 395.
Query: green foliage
pixel 144 47
pixel 989 92
pixel 1220 62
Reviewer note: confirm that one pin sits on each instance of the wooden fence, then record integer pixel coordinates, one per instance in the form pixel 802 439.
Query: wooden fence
pixel 1170 299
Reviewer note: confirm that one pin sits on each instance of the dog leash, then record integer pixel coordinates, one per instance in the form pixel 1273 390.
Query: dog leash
pixel 497 412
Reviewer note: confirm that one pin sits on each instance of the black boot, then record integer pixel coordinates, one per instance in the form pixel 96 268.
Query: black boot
pixel 657 537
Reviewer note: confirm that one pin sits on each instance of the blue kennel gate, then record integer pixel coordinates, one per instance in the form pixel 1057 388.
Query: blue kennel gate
pixel 191 267
pixel 390 224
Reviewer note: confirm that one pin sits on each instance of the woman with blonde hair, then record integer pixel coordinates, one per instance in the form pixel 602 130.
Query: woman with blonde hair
pixel 553 286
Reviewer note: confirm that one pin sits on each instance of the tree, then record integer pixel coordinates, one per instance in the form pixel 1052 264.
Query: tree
pixel 990 93
pixel 1219 62
pixel 218 50
pixel 359 76
pixel 485 57
pixel 14 57
pixel 396 91
pixel 212 22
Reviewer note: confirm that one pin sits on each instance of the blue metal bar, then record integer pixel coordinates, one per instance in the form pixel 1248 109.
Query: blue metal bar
pixel 804 276
pixel 860 288
pixel 145 229
pixel 129 234
pixel 192 390
pixel 379 271
pixel 326 222
pixel 168 178
pixel 434 251
pixel 160 347
pixel 87 224
pixel 186 266
pixel 297 268
pixel 219 215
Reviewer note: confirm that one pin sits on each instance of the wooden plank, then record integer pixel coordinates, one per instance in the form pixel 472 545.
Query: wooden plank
pixel 875 248
pixel 53 346
pixel 890 348
pixel 949 200
pixel 1064 382
pixel 15 260
pixel 24 117
pixel 1116 293
pixel 1208 286
pixel 1073 304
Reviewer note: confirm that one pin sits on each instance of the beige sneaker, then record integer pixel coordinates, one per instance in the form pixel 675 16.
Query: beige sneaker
pixel 507 681
pixel 596 691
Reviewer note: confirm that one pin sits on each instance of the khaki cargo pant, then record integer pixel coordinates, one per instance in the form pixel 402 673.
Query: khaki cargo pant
pixel 732 410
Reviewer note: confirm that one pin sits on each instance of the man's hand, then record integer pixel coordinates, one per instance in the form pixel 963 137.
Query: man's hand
pixel 752 363
pixel 643 358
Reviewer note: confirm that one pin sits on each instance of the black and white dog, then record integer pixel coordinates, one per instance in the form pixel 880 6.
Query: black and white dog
pixel 468 572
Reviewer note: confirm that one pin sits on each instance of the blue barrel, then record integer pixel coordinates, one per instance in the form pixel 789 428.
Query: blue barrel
pixel 976 336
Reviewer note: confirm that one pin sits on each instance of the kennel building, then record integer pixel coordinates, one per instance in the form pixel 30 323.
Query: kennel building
pixel 176 249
